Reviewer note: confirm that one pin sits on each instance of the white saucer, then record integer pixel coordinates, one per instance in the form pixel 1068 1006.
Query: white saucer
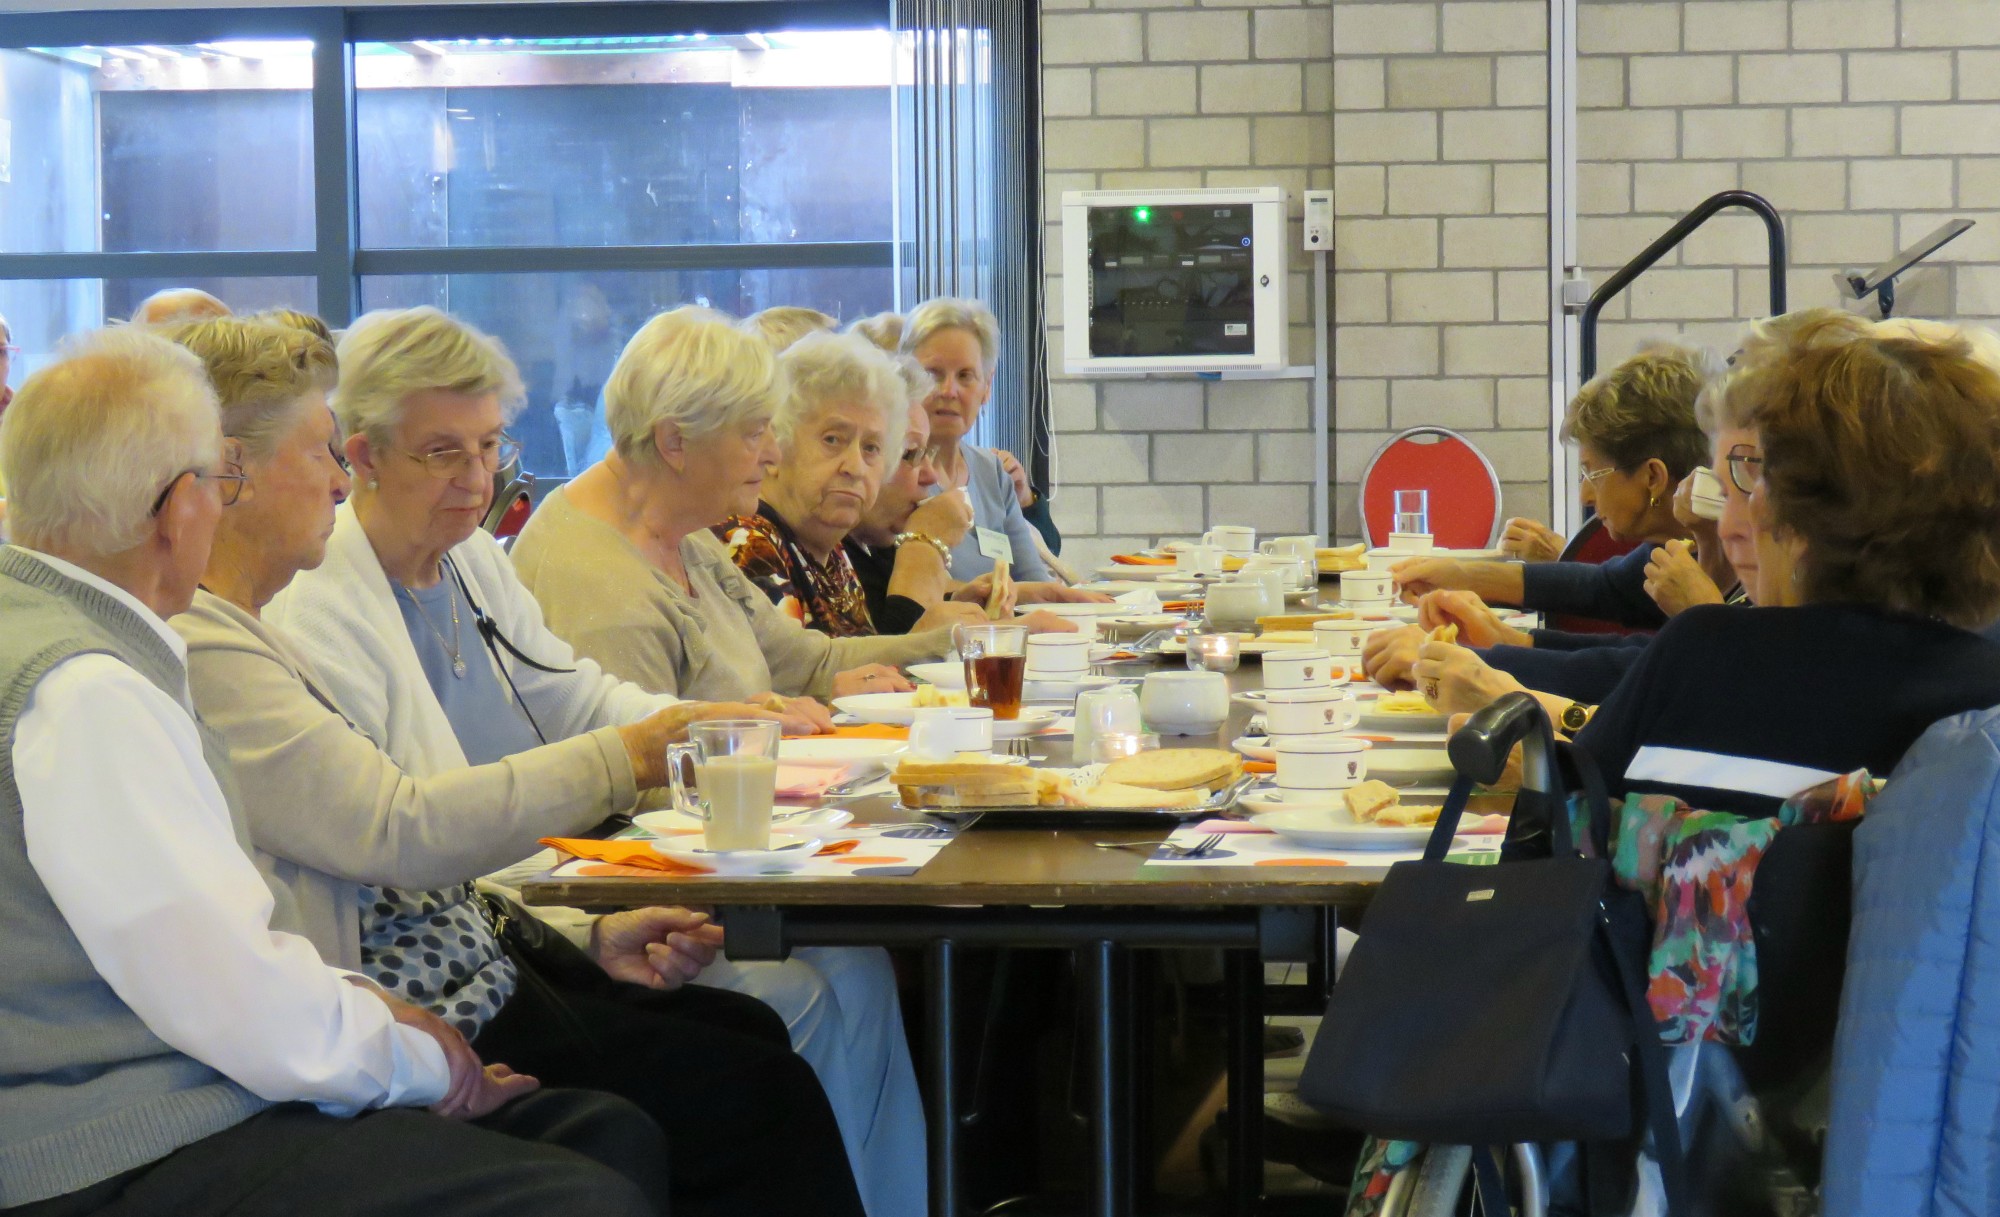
pixel 672 821
pixel 945 674
pixel 870 753
pixel 788 852
pixel 1061 688
pixel 1334 828
pixel 1256 747
pixel 1411 766
pixel 1032 719
pixel 1118 572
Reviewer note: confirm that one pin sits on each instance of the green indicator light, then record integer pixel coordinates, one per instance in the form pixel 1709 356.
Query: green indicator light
pixel 1143 214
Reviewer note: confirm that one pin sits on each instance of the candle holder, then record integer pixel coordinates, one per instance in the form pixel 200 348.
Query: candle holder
pixel 1214 652
pixel 1115 746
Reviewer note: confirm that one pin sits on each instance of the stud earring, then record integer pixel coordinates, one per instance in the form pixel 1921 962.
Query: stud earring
pixel 374 483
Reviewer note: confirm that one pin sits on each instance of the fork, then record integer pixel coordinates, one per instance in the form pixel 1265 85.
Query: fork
pixel 842 790
pixel 1016 747
pixel 1203 846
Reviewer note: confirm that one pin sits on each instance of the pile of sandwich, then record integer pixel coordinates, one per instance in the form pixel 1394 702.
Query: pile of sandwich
pixel 1179 777
pixel 1373 802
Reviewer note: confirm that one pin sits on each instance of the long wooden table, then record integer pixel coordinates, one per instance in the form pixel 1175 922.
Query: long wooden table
pixel 1042 887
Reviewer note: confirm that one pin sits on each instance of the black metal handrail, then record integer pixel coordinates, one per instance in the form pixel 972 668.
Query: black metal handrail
pixel 1619 281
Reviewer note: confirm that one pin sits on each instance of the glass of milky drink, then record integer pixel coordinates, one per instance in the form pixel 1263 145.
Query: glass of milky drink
pixel 735 780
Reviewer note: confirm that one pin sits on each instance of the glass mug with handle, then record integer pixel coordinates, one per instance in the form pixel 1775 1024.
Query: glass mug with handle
pixel 736 780
pixel 996 660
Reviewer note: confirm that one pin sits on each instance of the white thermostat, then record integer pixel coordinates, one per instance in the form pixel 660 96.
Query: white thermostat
pixel 1174 281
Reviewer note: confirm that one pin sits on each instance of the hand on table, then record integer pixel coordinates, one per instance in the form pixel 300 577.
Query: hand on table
pixel 1676 581
pixel 1478 625
pixel 660 948
pixel 947 516
pixel 951 612
pixel 1531 541
pixel 870 678
pixel 1009 465
pixel 1046 592
pixel 1455 680
pixel 1047 623
pixel 1388 655
pixel 1418 577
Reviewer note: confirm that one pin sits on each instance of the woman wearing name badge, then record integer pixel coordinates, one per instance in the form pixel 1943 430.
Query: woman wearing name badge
pixel 958 343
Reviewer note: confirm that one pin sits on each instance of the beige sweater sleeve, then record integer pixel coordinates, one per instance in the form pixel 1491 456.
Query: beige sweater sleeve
pixel 602 601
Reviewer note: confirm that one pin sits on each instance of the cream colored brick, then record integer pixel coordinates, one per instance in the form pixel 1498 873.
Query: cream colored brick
pixel 1951 23
pixel 1204 457
pixel 1053 185
pixel 1978 76
pixel 1050 6
pixel 1454 295
pixel 1319 87
pixel 1440 189
pixel 1496 25
pixel 1639 135
pixel 1978 291
pixel 1441 83
pixel 1600 83
pixel 1385 244
pixel 1837 240
pixel 1669 293
pixel 1899 184
pixel 1073 405
pixel 1197 141
pixel 1523 295
pixel 1074 510
pixel 1148 91
pixel 1360 190
pixel 1844 131
pixel 1151 405
pixel 1292 181
pixel 1258 405
pixel 1092 38
pixel 1841 24
pixel 1307 140
pixel 1789 78
pixel 1735 25
pixel 1284 458
pixel 1529 499
pixel 1608 241
pixel 1497 242
pixel 1270 509
pixel 1735 133
pixel 1979 182
pixel 1066 92
pixel 1464 404
pixel 1804 185
pixel 1360 297
pixel 1900 75
pixel 1682 80
pixel 1519 457
pixel 1093 143
pixel 1384 29
pixel 1152 179
pixel 1967 130
pixel 1386 350
pixel 1603 187
pixel 1360 405
pixel 1360 84
pixel 1386 137
pixel 1294 33
pixel 1353 447
pixel 1627 28
pixel 1105 458
pixel 1521 80
pixel 1732 238
pixel 1155 511
pixel 1496 350
pixel 1522 402
pixel 1184 36
pixel 1676 186
pixel 1521 189
pixel 1252 88
pixel 1497 135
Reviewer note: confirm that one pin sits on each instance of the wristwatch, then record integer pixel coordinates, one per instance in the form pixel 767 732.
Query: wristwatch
pixel 943 550
pixel 1575 717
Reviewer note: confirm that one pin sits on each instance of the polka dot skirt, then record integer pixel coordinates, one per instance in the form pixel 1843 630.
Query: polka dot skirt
pixel 434 949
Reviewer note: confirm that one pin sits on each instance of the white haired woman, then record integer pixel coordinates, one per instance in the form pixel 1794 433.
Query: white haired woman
pixel 623 560
pixel 958 343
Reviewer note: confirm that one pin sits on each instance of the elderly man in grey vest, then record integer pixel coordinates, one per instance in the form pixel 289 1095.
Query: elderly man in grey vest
pixel 166 1045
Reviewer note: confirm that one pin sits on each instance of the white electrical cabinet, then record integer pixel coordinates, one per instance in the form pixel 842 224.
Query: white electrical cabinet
pixel 1174 280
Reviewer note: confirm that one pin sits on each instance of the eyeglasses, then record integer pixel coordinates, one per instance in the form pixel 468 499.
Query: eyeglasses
pixel 229 483
pixel 339 457
pixel 8 350
pixel 1746 468
pixel 495 455
pixel 1591 477
pixel 921 456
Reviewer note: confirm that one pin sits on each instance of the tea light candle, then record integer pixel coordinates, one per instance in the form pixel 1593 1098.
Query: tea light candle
pixel 1214 652
pixel 1114 746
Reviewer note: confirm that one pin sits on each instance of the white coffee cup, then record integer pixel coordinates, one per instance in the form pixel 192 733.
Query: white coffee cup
pixel 1302 668
pixel 1371 608
pixel 1366 585
pixel 1321 762
pixel 1236 606
pixel 1318 711
pixel 1281 566
pixel 1343 640
pixel 1706 497
pixel 1184 703
pixel 1232 538
pixel 1058 656
pixel 937 732
pixel 1411 542
pixel 1383 559
pixel 1291 547
pixel 1201 559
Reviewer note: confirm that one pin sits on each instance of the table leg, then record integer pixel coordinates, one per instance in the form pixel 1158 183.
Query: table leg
pixel 1243 978
pixel 940 1015
pixel 1110 1193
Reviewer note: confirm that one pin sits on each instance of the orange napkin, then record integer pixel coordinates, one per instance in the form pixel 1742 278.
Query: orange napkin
pixel 1259 767
pixel 1140 560
pixel 862 731
pixel 641 855
pixel 1179 606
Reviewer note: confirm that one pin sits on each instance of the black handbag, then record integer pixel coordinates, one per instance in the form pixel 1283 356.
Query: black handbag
pixel 1487 1005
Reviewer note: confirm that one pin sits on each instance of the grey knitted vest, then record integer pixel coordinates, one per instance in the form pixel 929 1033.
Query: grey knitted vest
pixel 88 1090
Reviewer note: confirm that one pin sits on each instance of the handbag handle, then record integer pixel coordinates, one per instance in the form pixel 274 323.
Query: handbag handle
pixel 1596 800
pixel 1479 752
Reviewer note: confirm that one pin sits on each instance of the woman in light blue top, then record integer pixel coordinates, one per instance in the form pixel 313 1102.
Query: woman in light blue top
pixel 958 343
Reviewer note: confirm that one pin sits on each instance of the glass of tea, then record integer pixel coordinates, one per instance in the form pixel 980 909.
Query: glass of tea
pixel 996 657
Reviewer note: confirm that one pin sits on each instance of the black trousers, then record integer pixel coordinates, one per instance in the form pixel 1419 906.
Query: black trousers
pixel 751 1130
pixel 554 1153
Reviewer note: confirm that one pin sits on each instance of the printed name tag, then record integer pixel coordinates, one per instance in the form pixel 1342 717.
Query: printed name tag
pixel 995 545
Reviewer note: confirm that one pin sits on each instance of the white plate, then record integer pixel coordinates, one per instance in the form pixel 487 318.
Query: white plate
pixel 1062 688
pixel 1256 747
pixel 1142 574
pixel 673 821
pixel 1374 719
pixel 948 674
pixel 1334 828
pixel 876 753
pixel 882 709
pixel 1411 766
pixel 1253 647
pixel 788 852
pixel 1031 721
pixel 1163 588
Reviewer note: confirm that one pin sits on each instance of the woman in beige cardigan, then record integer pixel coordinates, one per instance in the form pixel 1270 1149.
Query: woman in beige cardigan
pixel 622 559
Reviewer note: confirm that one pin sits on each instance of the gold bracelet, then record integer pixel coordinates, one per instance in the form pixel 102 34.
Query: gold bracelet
pixel 943 550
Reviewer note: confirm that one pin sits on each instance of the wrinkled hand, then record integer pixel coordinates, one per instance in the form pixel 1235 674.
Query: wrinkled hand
pixel 1047 623
pixel 1531 541
pixel 1417 577
pixel 947 516
pixel 660 948
pixel 1388 655
pixel 1023 493
pixel 476 1088
pixel 870 678
pixel 800 715
pixel 979 591
pixel 1676 581
pixel 1046 592
pixel 951 612
pixel 1456 680
pixel 1478 625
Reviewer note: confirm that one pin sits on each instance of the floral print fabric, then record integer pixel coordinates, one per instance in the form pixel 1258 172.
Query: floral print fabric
pixel 826 598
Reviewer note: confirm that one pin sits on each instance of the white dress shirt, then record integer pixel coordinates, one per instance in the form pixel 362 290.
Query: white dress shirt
pixel 128 830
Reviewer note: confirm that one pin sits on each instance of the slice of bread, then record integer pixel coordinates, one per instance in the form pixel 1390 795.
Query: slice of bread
pixel 1176 769
pixel 964 765
pixel 1369 799
pixel 1407 817
pixel 1299 621
pixel 1117 794
pixel 1444 633
pixel 1302 637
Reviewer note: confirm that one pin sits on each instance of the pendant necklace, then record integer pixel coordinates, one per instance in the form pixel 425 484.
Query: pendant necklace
pixel 451 648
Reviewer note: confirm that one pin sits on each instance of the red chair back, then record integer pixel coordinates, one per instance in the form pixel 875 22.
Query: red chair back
pixel 515 517
pixel 1591 544
pixel 1464 490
